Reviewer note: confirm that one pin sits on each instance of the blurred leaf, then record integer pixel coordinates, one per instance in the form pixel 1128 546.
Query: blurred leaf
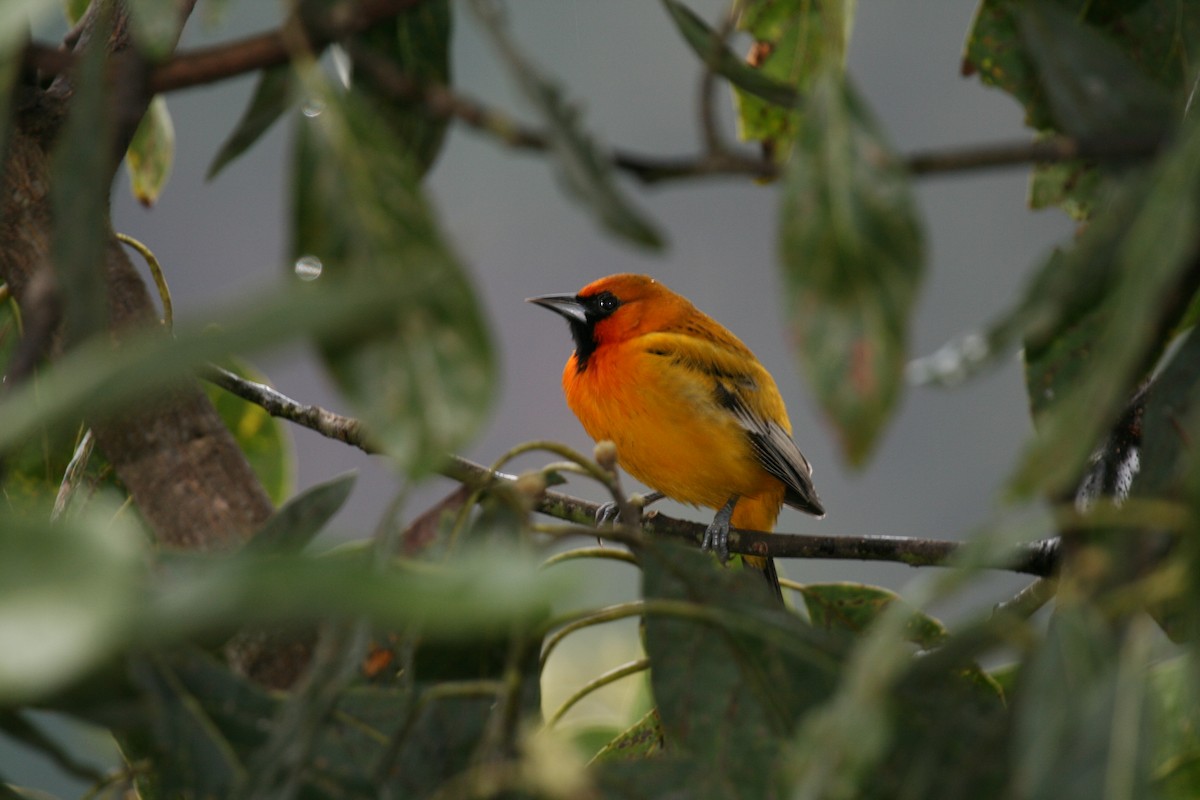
pixel 642 740
pixel 422 379
pixel 1082 724
pixel 151 153
pixel 943 717
pixel 1151 34
pixel 266 441
pixel 68 595
pixel 704 41
pixel 1172 698
pixel 94 378
pixel 1090 87
pixel 1104 52
pixel 1059 296
pixel 1074 185
pixel 854 606
pixel 417 41
pixel 79 189
pixel 156 25
pixel 729 693
pixel 793 41
pixel 293 526
pixel 16 16
pixel 1054 366
pixel 1172 412
pixel 274 94
pixel 467 596
pixel 852 252
pixel 584 167
pixel 74 9
pixel 190 753
pixel 951 731
pixel 1146 240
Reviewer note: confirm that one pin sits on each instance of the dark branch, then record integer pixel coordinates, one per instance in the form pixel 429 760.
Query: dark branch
pixel 1038 558
pixel 212 64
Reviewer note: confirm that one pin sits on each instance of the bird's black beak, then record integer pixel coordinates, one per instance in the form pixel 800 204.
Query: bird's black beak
pixel 566 304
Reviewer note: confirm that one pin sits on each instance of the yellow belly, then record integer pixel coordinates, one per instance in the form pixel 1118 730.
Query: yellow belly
pixel 671 435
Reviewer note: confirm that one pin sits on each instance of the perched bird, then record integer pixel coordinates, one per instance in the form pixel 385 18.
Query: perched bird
pixel 692 412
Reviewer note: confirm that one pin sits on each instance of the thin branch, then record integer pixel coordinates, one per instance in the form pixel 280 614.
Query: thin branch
pixel 599 682
pixel 1029 600
pixel 205 65
pixel 212 64
pixel 1037 558
pixel 443 102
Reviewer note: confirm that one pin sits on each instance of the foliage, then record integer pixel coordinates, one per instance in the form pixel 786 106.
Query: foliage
pixel 424 644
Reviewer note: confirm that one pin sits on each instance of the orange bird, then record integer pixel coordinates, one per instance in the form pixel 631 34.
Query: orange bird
pixel 692 412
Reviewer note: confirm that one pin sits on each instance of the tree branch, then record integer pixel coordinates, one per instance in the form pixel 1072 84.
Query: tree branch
pixel 220 62
pixel 1038 558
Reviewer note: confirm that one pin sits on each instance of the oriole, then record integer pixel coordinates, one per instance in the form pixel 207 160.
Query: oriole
pixel 692 412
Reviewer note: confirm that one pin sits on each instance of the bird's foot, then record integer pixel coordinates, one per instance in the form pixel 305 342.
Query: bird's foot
pixel 608 513
pixel 716 535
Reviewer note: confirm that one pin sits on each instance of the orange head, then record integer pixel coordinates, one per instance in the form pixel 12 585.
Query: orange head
pixel 616 309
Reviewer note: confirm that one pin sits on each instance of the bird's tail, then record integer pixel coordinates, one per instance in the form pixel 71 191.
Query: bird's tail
pixel 767 567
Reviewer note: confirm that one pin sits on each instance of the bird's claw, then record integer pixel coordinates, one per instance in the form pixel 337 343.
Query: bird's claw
pixel 607 514
pixel 716 540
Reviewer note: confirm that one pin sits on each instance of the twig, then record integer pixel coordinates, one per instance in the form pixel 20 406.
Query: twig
pixel 599 682
pixel 1027 601
pixel 210 65
pixel 1037 558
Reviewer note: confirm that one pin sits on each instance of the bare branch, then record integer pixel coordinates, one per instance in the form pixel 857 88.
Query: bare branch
pixel 212 64
pixel 1038 558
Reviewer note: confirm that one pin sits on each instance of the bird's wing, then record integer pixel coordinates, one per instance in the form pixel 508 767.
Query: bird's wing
pixel 742 387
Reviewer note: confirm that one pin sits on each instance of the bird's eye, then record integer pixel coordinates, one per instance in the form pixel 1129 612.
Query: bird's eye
pixel 607 303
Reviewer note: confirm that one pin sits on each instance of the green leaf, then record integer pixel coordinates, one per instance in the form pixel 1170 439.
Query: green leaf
pixel 641 740
pixel 293 526
pixel 266 441
pixel 1082 63
pixel 1074 185
pixel 79 189
pixel 793 41
pixel 1082 725
pixel 156 26
pixel 74 10
pixel 854 606
pixel 468 596
pixel 950 729
pixel 417 42
pixel 151 153
pixel 1176 758
pixel 1090 87
pixel 1150 33
pixel 1145 239
pixel 731 681
pixel 584 166
pixel 705 43
pixel 852 252
pixel 94 378
pixel 189 751
pixel 423 379
pixel 274 94
pixel 68 596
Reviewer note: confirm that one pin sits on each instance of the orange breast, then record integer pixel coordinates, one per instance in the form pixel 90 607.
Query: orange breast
pixel 670 433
